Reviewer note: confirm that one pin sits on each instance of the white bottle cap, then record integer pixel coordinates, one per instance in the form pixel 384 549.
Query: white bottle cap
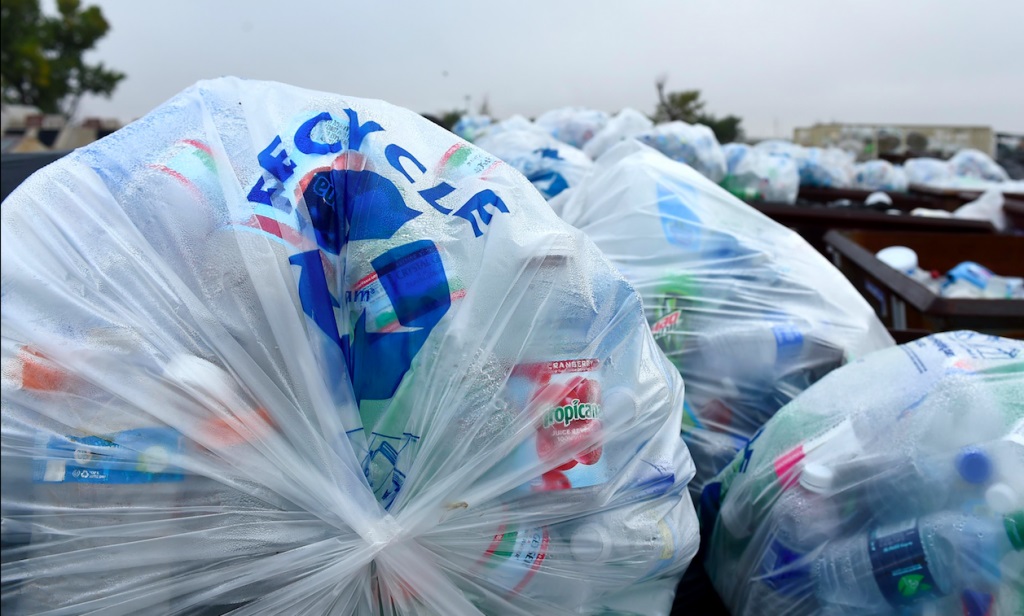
pixel 878 197
pixel 194 372
pixel 1001 498
pixel 899 258
pixel 621 404
pixel 817 478
pixel 591 543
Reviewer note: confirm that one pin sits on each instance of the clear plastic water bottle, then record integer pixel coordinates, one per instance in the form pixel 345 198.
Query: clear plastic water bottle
pixel 639 541
pixel 891 567
pixel 804 519
pixel 923 484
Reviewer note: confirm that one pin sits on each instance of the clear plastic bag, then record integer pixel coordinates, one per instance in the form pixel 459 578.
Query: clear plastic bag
pixel 626 124
pixel 275 351
pixel 827 168
pixel 693 144
pixel 927 171
pixel 747 311
pixel 753 174
pixel 550 165
pixel 892 486
pixel 573 125
pixel 879 175
pixel 469 127
pixel 977 165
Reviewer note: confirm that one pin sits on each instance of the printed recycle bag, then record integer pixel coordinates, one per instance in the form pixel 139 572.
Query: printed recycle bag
pixel 275 351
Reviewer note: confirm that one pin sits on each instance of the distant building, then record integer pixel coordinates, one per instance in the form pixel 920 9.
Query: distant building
pixel 24 129
pixel 889 140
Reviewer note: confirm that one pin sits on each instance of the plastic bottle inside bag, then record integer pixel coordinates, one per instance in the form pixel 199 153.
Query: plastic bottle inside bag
pixel 637 540
pixel 805 518
pixel 922 484
pixel 919 561
pixel 105 459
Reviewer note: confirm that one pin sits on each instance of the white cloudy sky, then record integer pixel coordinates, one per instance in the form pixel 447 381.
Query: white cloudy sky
pixel 776 63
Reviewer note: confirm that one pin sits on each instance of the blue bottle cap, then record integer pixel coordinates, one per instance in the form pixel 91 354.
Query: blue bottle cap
pixel 974 465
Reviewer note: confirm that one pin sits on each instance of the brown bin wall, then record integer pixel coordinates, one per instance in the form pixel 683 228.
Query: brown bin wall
pixel 904 304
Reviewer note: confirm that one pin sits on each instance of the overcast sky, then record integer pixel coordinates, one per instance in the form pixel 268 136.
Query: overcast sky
pixel 775 63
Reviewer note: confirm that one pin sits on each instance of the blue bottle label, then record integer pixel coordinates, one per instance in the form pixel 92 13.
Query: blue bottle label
pixel 132 456
pixel 788 341
pixel 785 571
pixel 900 566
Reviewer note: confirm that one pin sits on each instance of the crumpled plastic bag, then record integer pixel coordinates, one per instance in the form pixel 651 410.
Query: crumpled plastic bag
pixel 469 127
pixel 891 486
pixel 693 144
pixel 513 123
pixel 749 313
pixel 976 164
pixel 927 171
pixel 753 174
pixel 989 206
pixel 626 124
pixel 879 175
pixel 573 125
pixel 550 165
pixel 280 351
pixel 827 168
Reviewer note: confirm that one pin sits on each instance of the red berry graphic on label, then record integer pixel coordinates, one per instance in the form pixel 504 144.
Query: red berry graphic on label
pixel 572 425
pixel 555 480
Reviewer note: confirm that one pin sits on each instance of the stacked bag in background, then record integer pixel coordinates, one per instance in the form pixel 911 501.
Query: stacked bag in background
pixel 279 351
pixel 755 175
pixel 693 144
pixel 749 313
pixel 550 165
pixel 895 485
pixel 573 125
pixel 880 175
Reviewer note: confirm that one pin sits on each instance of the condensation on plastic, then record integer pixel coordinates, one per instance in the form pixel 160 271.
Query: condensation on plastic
pixel 573 125
pixel 693 144
pixel 753 174
pixel 551 165
pixel 922 509
pixel 276 351
pixel 469 127
pixel 747 311
pixel 626 124
pixel 879 175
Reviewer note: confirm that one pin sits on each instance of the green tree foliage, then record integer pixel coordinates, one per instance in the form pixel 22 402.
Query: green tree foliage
pixel 449 118
pixel 41 56
pixel 687 107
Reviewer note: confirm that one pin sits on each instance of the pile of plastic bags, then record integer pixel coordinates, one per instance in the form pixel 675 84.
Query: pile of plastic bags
pixel 749 313
pixel 879 175
pixel 573 125
pixel 693 144
pixel 892 486
pixel 550 165
pixel 279 351
pixel 756 175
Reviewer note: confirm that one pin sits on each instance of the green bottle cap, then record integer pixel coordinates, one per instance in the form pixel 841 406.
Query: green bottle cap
pixel 1014 524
